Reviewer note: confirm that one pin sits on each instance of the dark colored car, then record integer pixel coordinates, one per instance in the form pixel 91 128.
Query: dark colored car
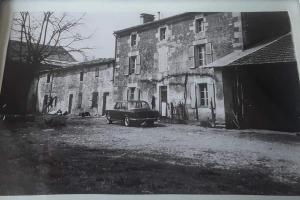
pixel 132 112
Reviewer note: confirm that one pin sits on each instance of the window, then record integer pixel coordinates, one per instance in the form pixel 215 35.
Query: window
pixel 131 93
pixel 132 64
pixel 48 78
pixel 81 76
pixel 162 33
pixel 45 103
pixel 121 105
pixel 55 101
pixel 138 105
pixel 79 100
pixel 199 25
pixel 95 100
pixel 133 40
pixel 97 72
pixel 117 106
pixel 199 55
pixel 203 94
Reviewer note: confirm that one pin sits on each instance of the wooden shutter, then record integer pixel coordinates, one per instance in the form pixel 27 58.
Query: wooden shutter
pixel 127 94
pixel 137 94
pixel 191 54
pixel 95 100
pixel 196 56
pixel 211 94
pixel 193 95
pixel 138 64
pixel 126 66
pixel 208 52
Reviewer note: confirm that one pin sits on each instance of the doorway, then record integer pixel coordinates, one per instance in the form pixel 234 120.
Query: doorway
pixel 163 94
pixel 105 94
pixel 70 103
pixel 45 102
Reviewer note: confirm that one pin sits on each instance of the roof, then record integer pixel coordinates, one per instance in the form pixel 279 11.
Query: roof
pixel 155 22
pixel 280 50
pixel 85 64
pixel 58 53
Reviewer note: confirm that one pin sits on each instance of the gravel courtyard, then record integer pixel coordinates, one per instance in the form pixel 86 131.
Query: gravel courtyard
pixel 90 156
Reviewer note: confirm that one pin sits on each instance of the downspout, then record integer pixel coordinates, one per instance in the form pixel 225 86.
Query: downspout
pixel 114 64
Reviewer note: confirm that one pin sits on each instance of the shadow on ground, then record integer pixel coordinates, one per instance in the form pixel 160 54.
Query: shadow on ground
pixel 30 167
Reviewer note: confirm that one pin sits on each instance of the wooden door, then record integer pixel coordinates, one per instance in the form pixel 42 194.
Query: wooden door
pixel 70 103
pixel 105 94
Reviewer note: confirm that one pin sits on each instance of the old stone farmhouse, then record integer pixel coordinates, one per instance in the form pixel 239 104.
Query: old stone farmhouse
pixel 227 69
pixel 77 88
pixel 173 61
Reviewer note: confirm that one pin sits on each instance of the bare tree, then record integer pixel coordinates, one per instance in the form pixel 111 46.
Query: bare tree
pixel 45 35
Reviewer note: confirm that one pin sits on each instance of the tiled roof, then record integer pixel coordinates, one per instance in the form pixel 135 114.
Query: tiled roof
pixel 149 24
pixel 97 61
pixel 58 52
pixel 85 64
pixel 278 51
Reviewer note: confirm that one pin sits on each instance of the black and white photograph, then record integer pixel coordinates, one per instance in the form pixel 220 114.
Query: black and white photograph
pixel 160 102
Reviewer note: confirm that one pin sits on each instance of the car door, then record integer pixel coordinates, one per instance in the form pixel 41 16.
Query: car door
pixel 114 113
pixel 122 110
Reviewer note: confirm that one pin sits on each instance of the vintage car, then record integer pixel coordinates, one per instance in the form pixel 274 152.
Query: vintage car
pixel 132 112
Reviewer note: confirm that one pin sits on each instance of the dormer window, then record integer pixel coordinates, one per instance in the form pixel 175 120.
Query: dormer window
pixel 133 40
pixel 162 33
pixel 199 25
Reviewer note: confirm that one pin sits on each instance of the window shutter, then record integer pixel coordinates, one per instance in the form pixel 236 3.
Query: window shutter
pixel 208 51
pixel 193 95
pixel 191 54
pixel 127 94
pixel 196 57
pixel 138 65
pixel 126 66
pixel 211 94
pixel 137 94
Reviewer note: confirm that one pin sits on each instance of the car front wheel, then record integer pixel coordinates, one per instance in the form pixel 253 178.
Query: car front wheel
pixel 127 122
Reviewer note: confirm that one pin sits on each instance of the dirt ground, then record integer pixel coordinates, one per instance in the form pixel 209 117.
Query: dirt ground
pixel 89 156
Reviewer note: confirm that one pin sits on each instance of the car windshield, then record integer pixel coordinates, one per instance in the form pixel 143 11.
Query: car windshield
pixel 138 105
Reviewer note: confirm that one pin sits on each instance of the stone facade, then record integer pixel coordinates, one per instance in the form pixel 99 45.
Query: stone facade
pixel 84 87
pixel 175 59
pixel 167 70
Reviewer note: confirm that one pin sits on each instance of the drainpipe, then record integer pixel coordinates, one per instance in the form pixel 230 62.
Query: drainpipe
pixel 114 64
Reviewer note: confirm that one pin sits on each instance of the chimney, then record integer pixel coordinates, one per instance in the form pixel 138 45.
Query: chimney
pixel 147 18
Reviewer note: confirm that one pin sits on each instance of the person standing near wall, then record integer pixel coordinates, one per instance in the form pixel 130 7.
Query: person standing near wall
pixel 153 102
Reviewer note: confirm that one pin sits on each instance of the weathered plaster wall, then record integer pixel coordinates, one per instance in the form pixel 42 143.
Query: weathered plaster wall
pixel 165 63
pixel 64 83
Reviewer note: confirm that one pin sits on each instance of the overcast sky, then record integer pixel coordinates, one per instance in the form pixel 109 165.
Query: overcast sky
pixel 103 25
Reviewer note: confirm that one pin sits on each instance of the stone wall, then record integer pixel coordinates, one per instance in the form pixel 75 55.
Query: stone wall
pixel 170 61
pixel 64 83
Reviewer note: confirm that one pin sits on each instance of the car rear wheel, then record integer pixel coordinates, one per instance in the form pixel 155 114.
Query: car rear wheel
pixel 127 121
pixel 108 118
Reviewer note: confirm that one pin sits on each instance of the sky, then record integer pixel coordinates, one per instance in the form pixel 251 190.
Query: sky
pixel 101 26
